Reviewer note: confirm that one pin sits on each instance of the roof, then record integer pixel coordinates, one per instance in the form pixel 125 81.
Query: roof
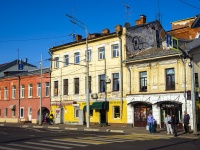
pixel 10 64
pixel 196 23
pixel 193 44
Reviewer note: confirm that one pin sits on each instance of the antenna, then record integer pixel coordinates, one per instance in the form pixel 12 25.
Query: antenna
pixel 158 15
pixel 127 11
pixel 72 34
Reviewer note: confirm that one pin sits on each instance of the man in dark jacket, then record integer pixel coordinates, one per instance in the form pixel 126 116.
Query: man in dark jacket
pixel 174 123
pixel 186 119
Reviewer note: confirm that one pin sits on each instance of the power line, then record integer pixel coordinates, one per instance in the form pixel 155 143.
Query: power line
pixel 189 4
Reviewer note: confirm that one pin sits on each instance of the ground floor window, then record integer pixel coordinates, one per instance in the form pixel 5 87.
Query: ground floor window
pixel 21 112
pixel 91 112
pixel 76 111
pixel 5 112
pixel 13 112
pixel 116 112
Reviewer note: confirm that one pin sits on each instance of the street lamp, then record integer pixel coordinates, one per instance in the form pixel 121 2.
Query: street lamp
pixel 82 25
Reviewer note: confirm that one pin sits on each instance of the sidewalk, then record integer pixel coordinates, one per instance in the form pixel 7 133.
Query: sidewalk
pixel 98 128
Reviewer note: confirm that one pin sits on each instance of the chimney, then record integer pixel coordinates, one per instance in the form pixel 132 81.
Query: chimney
pixel 105 31
pixel 142 20
pixel 78 38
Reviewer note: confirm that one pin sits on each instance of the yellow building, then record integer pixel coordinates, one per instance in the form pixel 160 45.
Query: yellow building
pixel 68 80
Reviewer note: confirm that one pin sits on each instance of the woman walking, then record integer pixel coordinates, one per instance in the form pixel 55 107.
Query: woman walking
pixel 168 122
pixel 150 121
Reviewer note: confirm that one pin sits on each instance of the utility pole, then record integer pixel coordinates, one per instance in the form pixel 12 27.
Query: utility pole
pixel 40 117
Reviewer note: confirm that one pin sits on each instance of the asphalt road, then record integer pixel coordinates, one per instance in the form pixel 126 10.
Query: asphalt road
pixel 14 138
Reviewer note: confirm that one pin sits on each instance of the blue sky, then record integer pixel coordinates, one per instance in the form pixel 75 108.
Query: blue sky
pixel 31 27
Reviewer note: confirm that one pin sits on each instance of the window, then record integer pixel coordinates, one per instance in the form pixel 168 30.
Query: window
pixel 90 84
pixel 55 88
pixel 77 58
pixel 13 112
pixel 30 90
pixel 101 53
pixel 47 89
pixel 170 79
pixel 76 85
pixel 5 93
pixel 102 83
pixel 66 60
pixel 65 87
pixel 56 62
pixel 13 92
pixel 115 81
pixel 143 81
pixel 5 112
pixel 116 112
pixel 76 111
pixel 89 54
pixel 115 50
pixel 22 91
pixel 38 89
pixel 21 112
pixel 196 80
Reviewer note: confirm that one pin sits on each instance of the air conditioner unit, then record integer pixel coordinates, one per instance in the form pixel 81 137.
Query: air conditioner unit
pixel 94 95
pixel 107 80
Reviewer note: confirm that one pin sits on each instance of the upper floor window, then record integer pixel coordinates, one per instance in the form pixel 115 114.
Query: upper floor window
pixel 5 93
pixel 56 62
pixel 115 50
pixel 170 79
pixel 101 52
pixel 77 58
pixel 76 85
pixel 89 54
pixel 66 60
pixel 115 81
pixel 65 86
pixel 13 92
pixel 89 84
pixel 102 83
pixel 143 81
pixel 55 88
pixel 22 91
pixel 30 90
pixel 47 89
pixel 38 89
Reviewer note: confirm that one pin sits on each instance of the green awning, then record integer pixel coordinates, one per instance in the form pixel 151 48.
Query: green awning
pixel 100 105
pixel 85 108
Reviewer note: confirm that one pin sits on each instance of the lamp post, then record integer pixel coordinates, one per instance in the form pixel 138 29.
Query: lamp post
pixel 82 25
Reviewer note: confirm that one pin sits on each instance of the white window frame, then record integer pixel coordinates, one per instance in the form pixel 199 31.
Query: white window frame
pixel 21 114
pixel 47 89
pixel 13 92
pixel 5 93
pixel 89 54
pixel 38 89
pixel 76 112
pixel 66 60
pixel 77 58
pixel 116 50
pixel 56 62
pixel 22 94
pixel 30 90
pixel 115 112
pixel 101 54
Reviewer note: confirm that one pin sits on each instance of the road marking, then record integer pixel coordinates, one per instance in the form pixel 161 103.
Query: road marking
pixel 81 145
pixel 42 144
pixel 113 140
pixel 31 147
pixel 7 148
pixel 67 128
pixel 85 141
pixel 53 127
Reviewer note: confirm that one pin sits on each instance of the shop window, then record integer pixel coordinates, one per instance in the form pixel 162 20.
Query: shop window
pixel 76 112
pixel 65 86
pixel 55 88
pixel 170 79
pixel 116 112
pixel 143 81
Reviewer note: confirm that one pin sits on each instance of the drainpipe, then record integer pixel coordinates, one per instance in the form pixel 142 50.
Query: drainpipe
pixel 118 30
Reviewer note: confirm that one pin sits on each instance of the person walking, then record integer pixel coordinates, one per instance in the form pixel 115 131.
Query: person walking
pixel 174 124
pixel 150 121
pixel 186 121
pixel 168 122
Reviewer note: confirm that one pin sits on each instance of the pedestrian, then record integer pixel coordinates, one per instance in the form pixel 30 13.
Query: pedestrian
pixel 150 121
pixel 186 121
pixel 51 118
pixel 174 124
pixel 168 121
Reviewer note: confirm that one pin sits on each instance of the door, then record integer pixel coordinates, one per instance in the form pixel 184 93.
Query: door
pixel 29 114
pixel 140 116
pixel 103 117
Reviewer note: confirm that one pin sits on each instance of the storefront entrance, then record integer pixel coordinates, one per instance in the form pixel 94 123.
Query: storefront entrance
pixel 170 107
pixel 141 111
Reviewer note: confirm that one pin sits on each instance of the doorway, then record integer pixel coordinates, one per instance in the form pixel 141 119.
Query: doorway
pixel 29 114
